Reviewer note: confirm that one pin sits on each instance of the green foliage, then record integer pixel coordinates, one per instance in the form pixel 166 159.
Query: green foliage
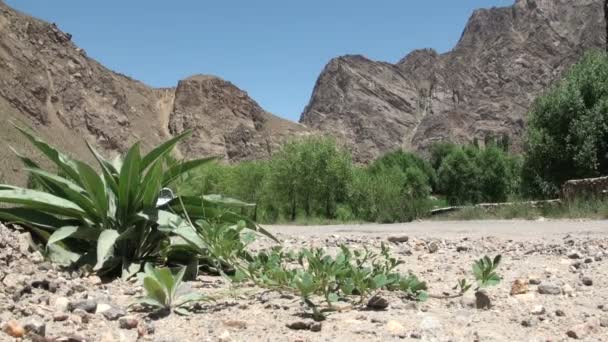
pixel 310 174
pixel 567 135
pixel 458 177
pixel 164 290
pixel 404 161
pixel 108 220
pixel 349 273
pixel 472 175
pixel 484 270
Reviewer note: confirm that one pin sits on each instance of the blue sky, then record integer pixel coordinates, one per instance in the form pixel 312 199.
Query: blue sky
pixel 273 49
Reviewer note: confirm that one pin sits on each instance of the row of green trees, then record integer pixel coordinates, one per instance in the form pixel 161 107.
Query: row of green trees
pixel 315 178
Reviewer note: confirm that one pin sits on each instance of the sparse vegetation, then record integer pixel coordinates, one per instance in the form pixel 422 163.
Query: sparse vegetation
pixel 165 290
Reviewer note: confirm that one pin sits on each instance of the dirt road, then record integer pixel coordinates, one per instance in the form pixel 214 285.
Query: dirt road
pixel 505 229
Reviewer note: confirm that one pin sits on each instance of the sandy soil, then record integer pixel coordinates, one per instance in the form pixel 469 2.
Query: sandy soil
pixel 564 257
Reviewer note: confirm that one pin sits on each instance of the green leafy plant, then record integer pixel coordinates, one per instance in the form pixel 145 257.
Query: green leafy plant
pixel 312 272
pixel 110 220
pixel 484 270
pixel 165 291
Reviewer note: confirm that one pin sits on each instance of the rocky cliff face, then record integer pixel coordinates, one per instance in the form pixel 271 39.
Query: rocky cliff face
pixel 504 59
pixel 50 84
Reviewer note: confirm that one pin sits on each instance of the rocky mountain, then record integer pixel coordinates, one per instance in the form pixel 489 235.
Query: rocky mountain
pixel 483 87
pixel 52 86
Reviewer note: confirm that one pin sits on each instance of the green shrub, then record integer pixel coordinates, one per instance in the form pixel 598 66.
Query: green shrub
pixel 567 135
pixel 459 178
pixel 405 160
pixel 109 220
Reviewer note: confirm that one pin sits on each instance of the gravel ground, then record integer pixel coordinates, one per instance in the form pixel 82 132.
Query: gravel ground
pixel 558 266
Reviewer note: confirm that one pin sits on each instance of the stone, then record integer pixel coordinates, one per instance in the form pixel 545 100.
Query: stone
pixel 534 280
pixel 299 325
pixel 587 281
pixel 14 329
pixel 549 289
pixel 377 302
pixel 519 287
pixel 560 313
pixel 128 322
pixel 316 326
pixel 568 290
pixel 482 300
pixel 35 326
pixel 433 247
pixel 538 310
pixel 395 328
pixel 113 313
pixel 581 331
pixel 462 248
pixel 528 323
pixel 61 304
pixel 235 324
pixel 398 239
pixel 60 316
pixel 88 305
pixel 574 254
pixel 604 322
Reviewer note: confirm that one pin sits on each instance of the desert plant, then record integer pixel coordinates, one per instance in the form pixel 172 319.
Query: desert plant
pixel 108 220
pixel 484 270
pixel 164 290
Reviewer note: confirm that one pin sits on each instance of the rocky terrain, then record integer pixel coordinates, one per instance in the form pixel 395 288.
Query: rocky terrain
pixel 51 85
pixel 553 289
pixel 483 87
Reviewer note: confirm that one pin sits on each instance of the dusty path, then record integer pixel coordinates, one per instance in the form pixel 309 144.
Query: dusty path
pixel 505 229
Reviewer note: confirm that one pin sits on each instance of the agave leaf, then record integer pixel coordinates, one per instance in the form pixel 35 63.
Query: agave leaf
pixel 181 311
pixel 165 278
pixel 155 290
pixel 129 181
pixel 105 246
pixel 177 170
pixel 42 201
pixel 59 255
pixel 61 234
pixel 151 185
pixel 109 172
pixel 160 151
pixel 225 201
pixel 129 270
pixel 190 235
pixel 71 191
pixel 95 187
pixel 32 217
pixel 179 276
pixel 63 162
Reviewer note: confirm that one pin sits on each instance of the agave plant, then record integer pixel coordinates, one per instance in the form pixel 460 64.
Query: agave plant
pixel 109 220
pixel 165 291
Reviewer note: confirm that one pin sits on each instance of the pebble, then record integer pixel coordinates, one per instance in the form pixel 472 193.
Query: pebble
pixel 433 247
pixel 538 310
pixel 14 329
pixel 377 302
pixel 549 289
pixel 113 313
pixel 482 300
pixel 61 304
pixel 527 323
pixel 395 327
pixel 299 325
pixel 60 316
pixel 316 326
pixel 560 313
pixel 518 287
pixel 587 281
pixel 88 305
pixel 462 249
pixel 235 324
pixel 398 239
pixel 574 255
pixel 128 322
pixel 35 326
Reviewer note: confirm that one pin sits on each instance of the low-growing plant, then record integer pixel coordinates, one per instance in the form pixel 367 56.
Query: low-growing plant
pixel 484 270
pixel 313 272
pixel 165 291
